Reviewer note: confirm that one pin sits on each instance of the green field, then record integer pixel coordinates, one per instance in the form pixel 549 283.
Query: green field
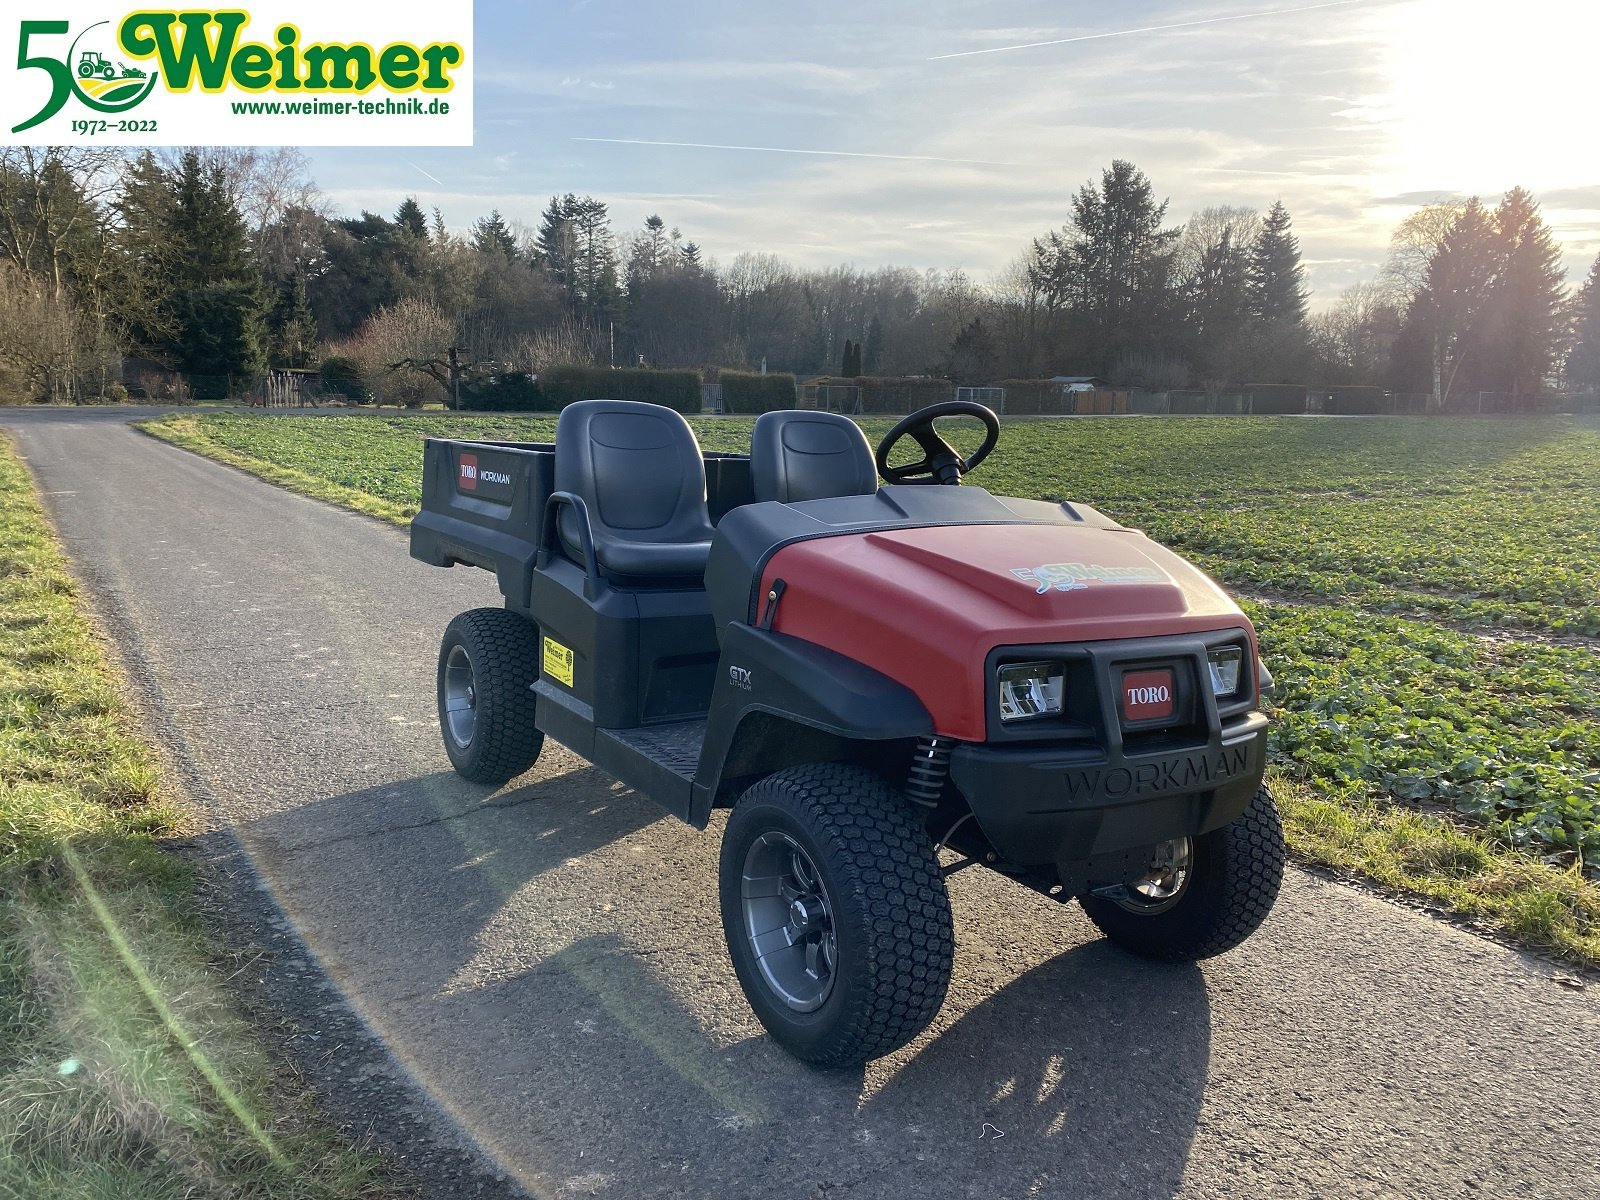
pixel 1426 592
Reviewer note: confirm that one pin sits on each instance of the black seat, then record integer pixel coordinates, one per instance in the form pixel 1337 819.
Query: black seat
pixel 808 456
pixel 638 470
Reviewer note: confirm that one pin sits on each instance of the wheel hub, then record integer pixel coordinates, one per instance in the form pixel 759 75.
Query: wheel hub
pixel 460 697
pixel 788 919
pixel 1164 881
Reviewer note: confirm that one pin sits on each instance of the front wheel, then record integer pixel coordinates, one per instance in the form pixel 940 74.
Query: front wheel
pixel 488 664
pixel 835 912
pixel 1201 896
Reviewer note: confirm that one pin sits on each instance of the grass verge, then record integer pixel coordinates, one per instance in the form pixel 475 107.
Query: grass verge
pixel 189 433
pixel 1463 871
pixel 1496 743
pixel 125 1070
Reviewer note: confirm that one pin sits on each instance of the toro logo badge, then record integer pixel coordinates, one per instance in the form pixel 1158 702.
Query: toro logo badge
pixel 469 472
pixel 1147 695
pixel 336 73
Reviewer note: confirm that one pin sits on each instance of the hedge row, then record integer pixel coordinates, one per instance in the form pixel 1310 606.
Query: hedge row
pixel 1355 402
pixel 746 392
pixel 674 389
pixel 1279 400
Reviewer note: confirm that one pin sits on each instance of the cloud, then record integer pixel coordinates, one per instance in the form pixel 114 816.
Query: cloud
pixel 1148 29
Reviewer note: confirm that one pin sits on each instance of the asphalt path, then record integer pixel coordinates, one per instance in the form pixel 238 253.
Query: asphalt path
pixel 543 965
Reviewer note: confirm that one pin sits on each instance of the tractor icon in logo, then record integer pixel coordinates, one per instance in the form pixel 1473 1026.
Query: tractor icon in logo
pixel 102 83
pixel 94 63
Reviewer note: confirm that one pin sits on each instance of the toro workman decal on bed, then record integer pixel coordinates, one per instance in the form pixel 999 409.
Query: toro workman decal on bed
pixel 1072 577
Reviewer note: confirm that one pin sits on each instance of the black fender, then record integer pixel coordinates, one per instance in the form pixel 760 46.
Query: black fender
pixel 780 700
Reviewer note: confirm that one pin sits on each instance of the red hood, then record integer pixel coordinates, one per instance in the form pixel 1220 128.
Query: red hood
pixel 926 606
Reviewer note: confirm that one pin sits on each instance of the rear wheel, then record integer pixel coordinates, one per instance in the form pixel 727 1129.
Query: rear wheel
pixel 835 912
pixel 1200 896
pixel 488 662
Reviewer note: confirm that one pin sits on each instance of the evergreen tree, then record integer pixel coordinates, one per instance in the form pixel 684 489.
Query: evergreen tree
pixel 1583 363
pixel 691 255
pixel 579 251
pixel 1277 294
pixel 848 361
pixel 653 253
pixel 144 256
pixel 872 356
pixel 293 329
pixel 1444 325
pixel 971 359
pixel 1524 311
pixel 555 238
pixel 408 218
pixel 1276 300
pixel 1111 269
pixel 1214 280
pixel 215 291
pixel 491 235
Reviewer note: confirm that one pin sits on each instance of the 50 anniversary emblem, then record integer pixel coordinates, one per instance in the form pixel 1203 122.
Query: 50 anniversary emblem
pixel 87 71
pixel 364 73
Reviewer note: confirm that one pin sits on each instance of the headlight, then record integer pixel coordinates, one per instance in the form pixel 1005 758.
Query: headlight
pixel 1030 690
pixel 1226 663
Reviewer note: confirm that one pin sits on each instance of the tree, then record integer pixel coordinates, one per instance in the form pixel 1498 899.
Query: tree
pixel 579 250
pixel 971 359
pixel 1112 268
pixel 215 293
pixel 1583 363
pixel 292 329
pixel 1353 341
pixel 491 235
pixel 1212 273
pixel 408 218
pixel 1276 299
pixel 847 365
pixel 1442 326
pixel 872 355
pixel 1415 242
pixel 652 252
pixel 1525 306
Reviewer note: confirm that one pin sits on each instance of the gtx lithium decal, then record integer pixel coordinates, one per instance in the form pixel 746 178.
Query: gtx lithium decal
pixel 558 662
pixel 288 72
pixel 1071 577
pixel 741 678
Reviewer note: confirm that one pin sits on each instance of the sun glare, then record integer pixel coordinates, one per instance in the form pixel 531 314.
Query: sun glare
pixel 1484 95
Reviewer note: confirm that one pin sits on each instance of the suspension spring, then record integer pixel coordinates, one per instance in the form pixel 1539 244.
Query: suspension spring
pixel 930 767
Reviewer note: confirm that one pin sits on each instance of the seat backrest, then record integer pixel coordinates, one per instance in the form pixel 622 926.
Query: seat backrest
pixel 638 469
pixel 801 455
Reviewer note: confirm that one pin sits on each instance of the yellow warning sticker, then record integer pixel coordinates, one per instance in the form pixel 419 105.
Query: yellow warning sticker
pixel 558 662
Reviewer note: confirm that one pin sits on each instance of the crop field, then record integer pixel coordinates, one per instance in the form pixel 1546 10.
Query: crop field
pixel 1427 592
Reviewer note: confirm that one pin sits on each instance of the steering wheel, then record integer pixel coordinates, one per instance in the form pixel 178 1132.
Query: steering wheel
pixel 941 462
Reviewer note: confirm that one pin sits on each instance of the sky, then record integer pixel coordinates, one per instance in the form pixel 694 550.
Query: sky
pixel 945 134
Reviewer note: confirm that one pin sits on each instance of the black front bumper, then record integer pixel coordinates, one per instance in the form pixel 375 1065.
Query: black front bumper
pixel 1050 805
pixel 1106 787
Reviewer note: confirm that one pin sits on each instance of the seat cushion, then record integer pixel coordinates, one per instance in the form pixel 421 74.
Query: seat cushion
pixel 642 561
pixel 797 456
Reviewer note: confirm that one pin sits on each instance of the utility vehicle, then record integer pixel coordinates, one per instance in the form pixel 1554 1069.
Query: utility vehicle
pixel 867 676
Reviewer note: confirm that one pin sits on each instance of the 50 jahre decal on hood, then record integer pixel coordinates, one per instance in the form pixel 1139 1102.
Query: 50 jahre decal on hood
pixel 1070 577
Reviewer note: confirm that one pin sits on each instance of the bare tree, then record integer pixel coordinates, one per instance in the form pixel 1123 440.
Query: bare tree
pixel 54 212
